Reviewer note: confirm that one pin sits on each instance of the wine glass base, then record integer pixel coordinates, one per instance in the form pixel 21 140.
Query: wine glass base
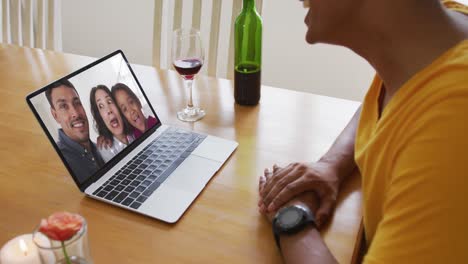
pixel 191 114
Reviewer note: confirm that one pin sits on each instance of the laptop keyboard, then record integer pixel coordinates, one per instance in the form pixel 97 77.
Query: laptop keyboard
pixel 142 175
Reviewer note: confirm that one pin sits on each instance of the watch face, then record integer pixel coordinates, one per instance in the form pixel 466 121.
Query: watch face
pixel 290 218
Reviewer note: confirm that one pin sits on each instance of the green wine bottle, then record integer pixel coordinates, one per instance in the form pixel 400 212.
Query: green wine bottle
pixel 247 55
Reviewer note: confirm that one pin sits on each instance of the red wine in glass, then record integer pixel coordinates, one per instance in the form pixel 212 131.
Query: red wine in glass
pixel 187 68
pixel 187 57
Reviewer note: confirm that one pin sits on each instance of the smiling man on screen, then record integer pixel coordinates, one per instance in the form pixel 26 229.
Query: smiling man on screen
pixel 74 143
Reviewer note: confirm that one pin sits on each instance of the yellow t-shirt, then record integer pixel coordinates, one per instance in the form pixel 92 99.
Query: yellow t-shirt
pixel 414 166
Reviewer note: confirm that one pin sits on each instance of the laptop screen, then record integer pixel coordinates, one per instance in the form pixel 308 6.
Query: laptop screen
pixel 92 115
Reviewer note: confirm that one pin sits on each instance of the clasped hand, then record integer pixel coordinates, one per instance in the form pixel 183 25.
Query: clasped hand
pixel 297 183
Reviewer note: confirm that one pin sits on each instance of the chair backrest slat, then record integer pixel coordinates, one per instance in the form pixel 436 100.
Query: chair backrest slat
pixel 236 7
pixel 196 14
pixel 32 23
pixel 259 6
pixel 40 25
pixel 157 31
pixel 5 21
pixel 50 24
pixel 214 33
pixel 162 31
pixel 177 18
pixel 27 23
pixel 15 22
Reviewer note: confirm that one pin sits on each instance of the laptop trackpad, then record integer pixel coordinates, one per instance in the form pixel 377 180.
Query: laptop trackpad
pixel 184 184
pixel 167 204
pixel 193 174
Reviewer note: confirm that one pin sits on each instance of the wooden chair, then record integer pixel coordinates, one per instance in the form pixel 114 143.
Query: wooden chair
pixel 209 18
pixel 32 23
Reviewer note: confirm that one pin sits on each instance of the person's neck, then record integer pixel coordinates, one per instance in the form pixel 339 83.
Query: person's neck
pixel 399 40
pixel 86 145
pixel 122 138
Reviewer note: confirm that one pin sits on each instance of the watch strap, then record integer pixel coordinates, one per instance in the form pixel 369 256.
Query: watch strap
pixel 276 234
pixel 309 219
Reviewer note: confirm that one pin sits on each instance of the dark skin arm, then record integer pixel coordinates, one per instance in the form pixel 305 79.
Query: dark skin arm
pixel 305 245
pixel 322 177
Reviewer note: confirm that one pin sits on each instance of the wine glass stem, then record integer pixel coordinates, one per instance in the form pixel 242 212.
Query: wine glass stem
pixel 188 84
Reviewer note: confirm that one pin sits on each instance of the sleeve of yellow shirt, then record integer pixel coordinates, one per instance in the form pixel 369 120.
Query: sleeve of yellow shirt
pixel 425 212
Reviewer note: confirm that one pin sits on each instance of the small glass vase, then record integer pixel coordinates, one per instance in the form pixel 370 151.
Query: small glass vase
pixel 72 251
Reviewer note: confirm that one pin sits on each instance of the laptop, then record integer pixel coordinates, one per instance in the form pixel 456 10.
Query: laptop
pixel 110 138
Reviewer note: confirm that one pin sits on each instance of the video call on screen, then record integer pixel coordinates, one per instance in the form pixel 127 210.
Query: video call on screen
pixel 94 115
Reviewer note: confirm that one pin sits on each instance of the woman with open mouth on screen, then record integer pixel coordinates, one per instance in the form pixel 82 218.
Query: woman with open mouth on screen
pixel 109 122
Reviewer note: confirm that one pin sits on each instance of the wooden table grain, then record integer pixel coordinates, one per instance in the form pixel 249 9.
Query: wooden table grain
pixel 223 224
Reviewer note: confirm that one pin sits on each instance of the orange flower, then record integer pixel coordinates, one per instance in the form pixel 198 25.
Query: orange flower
pixel 61 226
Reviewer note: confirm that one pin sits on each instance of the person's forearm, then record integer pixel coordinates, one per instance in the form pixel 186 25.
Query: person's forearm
pixel 341 153
pixel 307 246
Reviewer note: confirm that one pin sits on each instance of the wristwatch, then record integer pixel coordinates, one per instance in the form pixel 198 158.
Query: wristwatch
pixel 290 220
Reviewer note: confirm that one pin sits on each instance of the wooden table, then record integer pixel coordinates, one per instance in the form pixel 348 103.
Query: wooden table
pixel 223 224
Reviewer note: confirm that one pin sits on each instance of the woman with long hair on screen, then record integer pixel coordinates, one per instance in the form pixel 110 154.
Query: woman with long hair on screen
pixel 109 122
pixel 131 108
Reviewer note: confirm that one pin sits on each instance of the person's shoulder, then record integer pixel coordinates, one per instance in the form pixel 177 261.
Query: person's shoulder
pixel 434 103
pixel 458 55
pixel 152 121
pixel 62 146
pixel 68 153
pixel 448 73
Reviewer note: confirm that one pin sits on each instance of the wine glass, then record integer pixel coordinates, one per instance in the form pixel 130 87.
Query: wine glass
pixel 187 58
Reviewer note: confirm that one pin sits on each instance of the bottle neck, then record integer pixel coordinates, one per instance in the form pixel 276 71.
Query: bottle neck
pixel 248 5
